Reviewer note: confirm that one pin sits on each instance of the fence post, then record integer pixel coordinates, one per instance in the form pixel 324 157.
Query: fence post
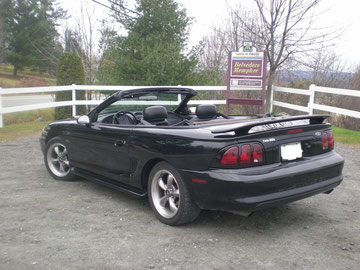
pixel 311 98
pixel 271 98
pixel 1 114
pixel 73 100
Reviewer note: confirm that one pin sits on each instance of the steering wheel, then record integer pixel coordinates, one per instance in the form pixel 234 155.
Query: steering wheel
pixel 124 118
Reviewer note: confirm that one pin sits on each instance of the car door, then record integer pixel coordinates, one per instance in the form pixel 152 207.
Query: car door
pixel 101 149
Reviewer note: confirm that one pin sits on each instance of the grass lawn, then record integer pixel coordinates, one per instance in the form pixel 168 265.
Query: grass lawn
pixel 346 136
pixel 29 116
pixel 25 78
pixel 26 71
pixel 10 83
pixel 22 124
pixel 13 132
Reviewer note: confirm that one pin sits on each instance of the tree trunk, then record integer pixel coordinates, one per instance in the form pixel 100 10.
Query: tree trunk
pixel 15 71
pixel 270 82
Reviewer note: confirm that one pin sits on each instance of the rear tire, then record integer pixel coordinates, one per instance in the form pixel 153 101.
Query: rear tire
pixel 56 160
pixel 169 196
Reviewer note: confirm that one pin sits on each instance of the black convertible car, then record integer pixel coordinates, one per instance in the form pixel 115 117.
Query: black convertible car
pixel 148 142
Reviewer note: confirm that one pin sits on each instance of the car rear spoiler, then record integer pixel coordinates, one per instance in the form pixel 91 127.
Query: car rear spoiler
pixel 270 123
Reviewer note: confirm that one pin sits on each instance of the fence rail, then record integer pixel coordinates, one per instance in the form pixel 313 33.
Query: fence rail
pixel 311 106
pixel 313 89
pixel 73 102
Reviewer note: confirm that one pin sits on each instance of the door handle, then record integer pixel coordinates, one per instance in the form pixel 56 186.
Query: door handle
pixel 119 142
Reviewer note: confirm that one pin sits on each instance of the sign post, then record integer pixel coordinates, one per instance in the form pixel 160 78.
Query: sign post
pixel 246 71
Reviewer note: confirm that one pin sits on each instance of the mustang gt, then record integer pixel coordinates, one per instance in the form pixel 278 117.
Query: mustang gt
pixel 149 142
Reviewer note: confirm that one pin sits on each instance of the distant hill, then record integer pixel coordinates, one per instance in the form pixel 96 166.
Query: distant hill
pixel 292 76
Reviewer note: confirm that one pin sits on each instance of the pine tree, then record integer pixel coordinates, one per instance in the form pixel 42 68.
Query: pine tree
pixel 30 33
pixel 153 52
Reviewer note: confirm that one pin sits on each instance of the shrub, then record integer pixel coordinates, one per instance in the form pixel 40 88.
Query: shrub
pixel 70 70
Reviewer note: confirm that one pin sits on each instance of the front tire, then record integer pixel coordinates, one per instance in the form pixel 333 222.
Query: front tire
pixel 169 197
pixel 56 160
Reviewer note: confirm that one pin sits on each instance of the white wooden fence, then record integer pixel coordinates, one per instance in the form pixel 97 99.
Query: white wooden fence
pixel 313 89
pixel 73 102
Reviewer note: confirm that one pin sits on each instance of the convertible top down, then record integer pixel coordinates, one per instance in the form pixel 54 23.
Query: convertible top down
pixel 148 142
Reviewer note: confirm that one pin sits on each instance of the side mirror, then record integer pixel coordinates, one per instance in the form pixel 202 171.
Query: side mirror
pixel 83 120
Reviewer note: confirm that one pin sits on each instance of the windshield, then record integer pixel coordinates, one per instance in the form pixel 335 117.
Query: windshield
pixel 139 102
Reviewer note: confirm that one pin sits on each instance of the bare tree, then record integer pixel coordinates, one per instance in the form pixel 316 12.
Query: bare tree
pixel 82 38
pixel 236 30
pixel 72 41
pixel 356 79
pixel 327 69
pixel 214 52
pixel 225 39
pixel 286 28
pixel 87 31
pixel 228 38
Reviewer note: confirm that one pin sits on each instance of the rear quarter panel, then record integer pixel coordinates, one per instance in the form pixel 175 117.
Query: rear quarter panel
pixel 192 149
pixel 184 149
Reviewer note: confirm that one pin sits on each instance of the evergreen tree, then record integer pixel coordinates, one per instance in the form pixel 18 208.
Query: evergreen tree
pixel 70 71
pixel 153 52
pixel 2 42
pixel 30 33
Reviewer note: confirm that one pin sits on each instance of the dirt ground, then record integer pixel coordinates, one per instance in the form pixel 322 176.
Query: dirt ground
pixel 47 224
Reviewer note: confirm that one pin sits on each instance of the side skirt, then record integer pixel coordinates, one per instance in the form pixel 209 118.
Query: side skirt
pixel 109 183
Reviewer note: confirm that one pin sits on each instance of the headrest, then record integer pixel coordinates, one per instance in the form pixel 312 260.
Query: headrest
pixel 155 113
pixel 206 111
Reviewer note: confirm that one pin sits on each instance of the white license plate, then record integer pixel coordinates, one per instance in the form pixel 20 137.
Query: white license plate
pixel 291 151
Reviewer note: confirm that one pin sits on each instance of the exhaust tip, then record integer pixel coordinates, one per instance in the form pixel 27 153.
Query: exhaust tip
pixel 243 214
pixel 329 191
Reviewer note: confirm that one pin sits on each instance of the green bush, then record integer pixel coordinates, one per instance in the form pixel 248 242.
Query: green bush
pixel 70 70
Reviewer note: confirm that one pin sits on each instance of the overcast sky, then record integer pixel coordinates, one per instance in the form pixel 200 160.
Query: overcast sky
pixel 208 13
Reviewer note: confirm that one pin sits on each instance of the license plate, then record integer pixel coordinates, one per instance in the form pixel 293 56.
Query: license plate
pixel 291 151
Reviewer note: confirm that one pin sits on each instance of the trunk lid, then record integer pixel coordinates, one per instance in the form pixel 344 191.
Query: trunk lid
pixel 269 123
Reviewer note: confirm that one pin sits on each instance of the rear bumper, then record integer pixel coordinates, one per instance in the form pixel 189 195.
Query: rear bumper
pixel 251 189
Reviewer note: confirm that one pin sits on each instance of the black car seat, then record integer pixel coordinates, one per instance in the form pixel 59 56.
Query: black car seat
pixel 206 112
pixel 156 115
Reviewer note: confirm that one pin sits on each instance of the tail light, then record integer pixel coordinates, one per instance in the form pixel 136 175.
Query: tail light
pixel 257 153
pixel 245 156
pixel 250 155
pixel 325 141
pixel 231 156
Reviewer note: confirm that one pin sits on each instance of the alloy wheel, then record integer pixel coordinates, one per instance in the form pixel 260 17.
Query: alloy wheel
pixel 57 160
pixel 165 193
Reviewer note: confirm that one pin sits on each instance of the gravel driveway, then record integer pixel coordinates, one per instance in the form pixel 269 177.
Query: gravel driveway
pixel 47 224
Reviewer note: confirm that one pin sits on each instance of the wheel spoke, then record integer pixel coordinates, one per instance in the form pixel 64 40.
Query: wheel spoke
pixel 176 193
pixel 64 152
pixel 172 205
pixel 163 201
pixel 170 181
pixel 57 150
pixel 54 160
pixel 66 162
pixel 62 168
pixel 161 184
